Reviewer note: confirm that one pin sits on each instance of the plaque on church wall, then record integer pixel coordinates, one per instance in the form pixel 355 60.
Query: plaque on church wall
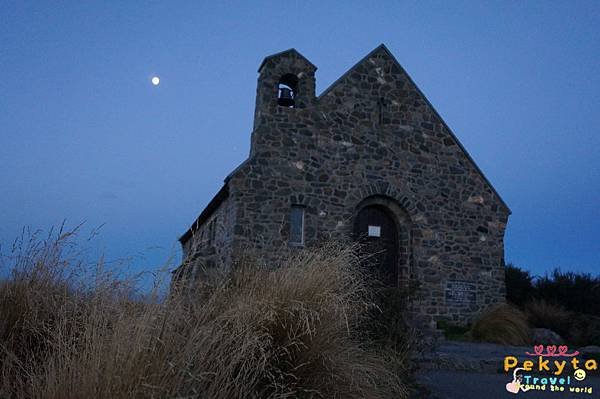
pixel 374 231
pixel 460 292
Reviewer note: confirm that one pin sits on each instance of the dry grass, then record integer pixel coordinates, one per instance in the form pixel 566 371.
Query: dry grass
pixel 543 314
pixel 291 331
pixel 576 328
pixel 502 324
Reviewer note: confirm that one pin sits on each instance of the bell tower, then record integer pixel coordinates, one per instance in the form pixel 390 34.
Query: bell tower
pixel 286 81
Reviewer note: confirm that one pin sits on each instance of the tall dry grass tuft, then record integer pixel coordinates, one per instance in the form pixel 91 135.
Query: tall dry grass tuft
pixel 291 331
pixel 543 314
pixel 577 329
pixel 502 324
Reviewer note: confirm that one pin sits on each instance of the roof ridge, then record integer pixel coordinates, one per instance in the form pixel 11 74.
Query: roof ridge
pixel 363 59
pixel 290 50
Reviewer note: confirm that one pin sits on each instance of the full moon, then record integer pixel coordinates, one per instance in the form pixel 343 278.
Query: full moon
pixel 155 80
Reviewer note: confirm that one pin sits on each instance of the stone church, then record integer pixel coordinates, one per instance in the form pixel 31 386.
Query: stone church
pixel 368 159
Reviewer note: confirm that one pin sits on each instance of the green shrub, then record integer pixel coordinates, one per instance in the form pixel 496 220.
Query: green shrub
pixel 578 292
pixel 567 303
pixel 454 332
pixel 519 285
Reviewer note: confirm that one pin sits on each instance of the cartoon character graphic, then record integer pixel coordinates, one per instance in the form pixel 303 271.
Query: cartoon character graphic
pixel 516 384
pixel 579 374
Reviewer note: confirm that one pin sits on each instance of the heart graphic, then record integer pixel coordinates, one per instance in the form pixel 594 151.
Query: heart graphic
pixel 551 349
pixel 512 387
pixel 538 349
pixel 562 349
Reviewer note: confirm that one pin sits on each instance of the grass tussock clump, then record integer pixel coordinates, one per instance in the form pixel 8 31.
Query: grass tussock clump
pixel 543 314
pixel 576 328
pixel 502 324
pixel 292 331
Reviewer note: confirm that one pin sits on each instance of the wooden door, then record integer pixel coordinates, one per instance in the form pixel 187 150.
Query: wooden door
pixel 377 233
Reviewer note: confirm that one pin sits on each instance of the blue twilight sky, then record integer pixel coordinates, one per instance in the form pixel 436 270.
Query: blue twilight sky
pixel 85 136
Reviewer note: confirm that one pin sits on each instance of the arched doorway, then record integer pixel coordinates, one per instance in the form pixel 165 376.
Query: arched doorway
pixel 376 229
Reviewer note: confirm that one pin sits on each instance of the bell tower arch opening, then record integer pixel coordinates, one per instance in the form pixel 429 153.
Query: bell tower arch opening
pixel 287 90
pixel 286 83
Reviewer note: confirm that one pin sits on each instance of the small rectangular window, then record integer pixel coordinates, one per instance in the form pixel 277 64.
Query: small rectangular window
pixel 297 225
pixel 214 235
pixel 201 241
pixel 212 231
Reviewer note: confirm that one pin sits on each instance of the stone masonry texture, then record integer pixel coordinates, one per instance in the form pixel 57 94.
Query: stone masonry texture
pixel 370 138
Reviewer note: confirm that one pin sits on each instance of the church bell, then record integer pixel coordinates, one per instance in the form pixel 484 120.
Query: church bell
pixel 286 97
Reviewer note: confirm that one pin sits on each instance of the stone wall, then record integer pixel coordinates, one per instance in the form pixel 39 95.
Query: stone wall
pixel 371 136
pixel 209 248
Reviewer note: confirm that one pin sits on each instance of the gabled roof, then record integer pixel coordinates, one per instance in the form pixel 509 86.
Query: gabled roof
pixel 381 47
pixel 282 53
pixel 212 206
pixel 206 213
pixel 384 49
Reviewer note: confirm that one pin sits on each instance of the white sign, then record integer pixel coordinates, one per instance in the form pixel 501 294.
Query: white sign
pixel 374 231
